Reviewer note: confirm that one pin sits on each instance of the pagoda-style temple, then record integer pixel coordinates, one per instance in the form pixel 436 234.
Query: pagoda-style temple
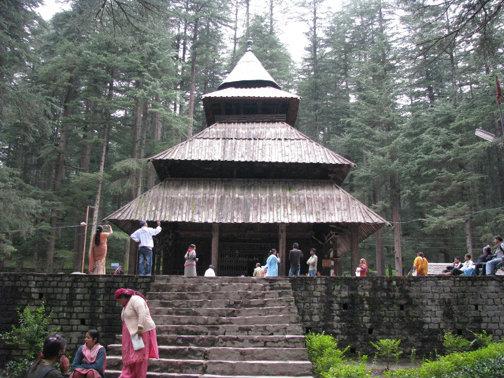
pixel 247 183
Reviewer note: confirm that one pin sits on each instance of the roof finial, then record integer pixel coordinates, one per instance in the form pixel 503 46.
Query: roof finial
pixel 249 45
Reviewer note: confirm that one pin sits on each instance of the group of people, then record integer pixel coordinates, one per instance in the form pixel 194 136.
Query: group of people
pixel 139 343
pixel 486 264
pixel 270 269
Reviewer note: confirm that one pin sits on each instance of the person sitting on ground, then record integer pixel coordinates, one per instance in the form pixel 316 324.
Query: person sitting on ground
pixel 257 270
pixel 312 263
pixel 454 269
pixel 420 265
pixel 468 268
pixel 53 352
pixel 362 269
pixel 498 257
pixel 483 259
pixel 89 360
pixel 210 272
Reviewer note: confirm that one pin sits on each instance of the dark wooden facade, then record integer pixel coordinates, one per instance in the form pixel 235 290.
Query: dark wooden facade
pixel 247 183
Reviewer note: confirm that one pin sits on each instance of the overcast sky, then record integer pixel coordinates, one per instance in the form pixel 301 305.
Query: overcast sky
pixel 288 18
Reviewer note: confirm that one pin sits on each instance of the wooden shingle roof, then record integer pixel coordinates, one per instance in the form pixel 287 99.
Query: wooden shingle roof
pixel 275 142
pixel 249 201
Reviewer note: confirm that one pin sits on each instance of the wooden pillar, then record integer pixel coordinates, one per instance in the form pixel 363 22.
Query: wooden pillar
pixel 336 257
pixel 133 257
pixel 282 247
pixel 354 247
pixel 380 262
pixel 215 247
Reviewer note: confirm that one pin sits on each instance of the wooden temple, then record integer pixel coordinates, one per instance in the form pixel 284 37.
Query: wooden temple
pixel 247 183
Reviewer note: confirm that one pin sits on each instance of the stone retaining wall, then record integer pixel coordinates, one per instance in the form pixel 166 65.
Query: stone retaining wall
pixel 415 310
pixel 356 311
pixel 78 302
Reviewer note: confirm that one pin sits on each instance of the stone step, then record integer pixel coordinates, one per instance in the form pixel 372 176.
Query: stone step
pixel 221 320
pixel 223 353
pixel 117 373
pixel 231 329
pixel 278 310
pixel 211 295
pixel 220 280
pixel 219 303
pixel 220 286
pixel 235 341
pixel 218 367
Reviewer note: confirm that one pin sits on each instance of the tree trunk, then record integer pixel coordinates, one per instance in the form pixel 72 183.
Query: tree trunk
pixel 271 18
pixel 157 134
pixel 247 19
pixel 235 34
pixel 395 202
pixel 101 169
pixel 137 140
pixel 468 235
pixel 192 90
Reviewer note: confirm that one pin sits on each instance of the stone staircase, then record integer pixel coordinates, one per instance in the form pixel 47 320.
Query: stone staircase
pixel 223 327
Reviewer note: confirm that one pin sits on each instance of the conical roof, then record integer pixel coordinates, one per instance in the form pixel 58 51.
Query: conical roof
pixel 249 72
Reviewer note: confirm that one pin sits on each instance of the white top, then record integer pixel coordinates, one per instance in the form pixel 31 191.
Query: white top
pixel 312 262
pixel 469 264
pixel 144 236
pixel 136 315
pixel 209 273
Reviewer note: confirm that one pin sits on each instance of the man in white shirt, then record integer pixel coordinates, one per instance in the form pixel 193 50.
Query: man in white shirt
pixel 210 272
pixel 143 236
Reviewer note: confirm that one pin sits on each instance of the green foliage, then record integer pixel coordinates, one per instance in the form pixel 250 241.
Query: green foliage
pixel 388 350
pixel 455 343
pixel 27 338
pixel 329 361
pixel 484 362
pixel 481 339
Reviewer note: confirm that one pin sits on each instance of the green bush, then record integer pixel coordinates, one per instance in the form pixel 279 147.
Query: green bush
pixel 481 339
pixel 388 350
pixel 329 361
pixel 27 337
pixel 459 365
pixel 454 343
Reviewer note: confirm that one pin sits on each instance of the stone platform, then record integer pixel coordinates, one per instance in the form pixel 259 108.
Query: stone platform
pixel 223 327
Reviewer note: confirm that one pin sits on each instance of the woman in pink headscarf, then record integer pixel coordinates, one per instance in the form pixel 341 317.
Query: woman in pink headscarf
pixel 136 322
pixel 89 360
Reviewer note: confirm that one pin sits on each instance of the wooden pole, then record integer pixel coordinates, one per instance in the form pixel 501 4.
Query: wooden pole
pixel 85 238
pixel 215 247
pixel 282 247
pixel 354 247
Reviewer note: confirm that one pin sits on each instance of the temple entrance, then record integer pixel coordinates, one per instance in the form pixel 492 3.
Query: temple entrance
pixel 236 259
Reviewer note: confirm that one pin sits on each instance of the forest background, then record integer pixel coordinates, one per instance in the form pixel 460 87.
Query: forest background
pixel 397 86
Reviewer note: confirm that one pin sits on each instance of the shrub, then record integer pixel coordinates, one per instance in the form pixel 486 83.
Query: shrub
pixel 388 350
pixel 27 337
pixel 347 371
pixel 481 339
pixel 459 365
pixel 454 343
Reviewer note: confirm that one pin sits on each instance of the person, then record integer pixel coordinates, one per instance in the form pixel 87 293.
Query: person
pixel 362 268
pixel 421 265
pixel 143 236
pixel 312 263
pixel 190 262
pixel 481 261
pixel 468 268
pixel 99 251
pixel 89 359
pixel 136 322
pixel 53 351
pixel 498 257
pixel 210 272
pixel 295 256
pixel 454 268
pixel 257 271
pixel 272 264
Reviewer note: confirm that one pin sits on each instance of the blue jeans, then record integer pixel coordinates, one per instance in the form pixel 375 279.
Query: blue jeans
pixel 492 265
pixel 294 271
pixel 144 261
pixel 312 273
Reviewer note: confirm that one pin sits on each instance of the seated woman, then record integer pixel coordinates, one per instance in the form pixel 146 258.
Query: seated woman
pixel 454 269
pixel 468 267
pixel 89 360
pixel 53 352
